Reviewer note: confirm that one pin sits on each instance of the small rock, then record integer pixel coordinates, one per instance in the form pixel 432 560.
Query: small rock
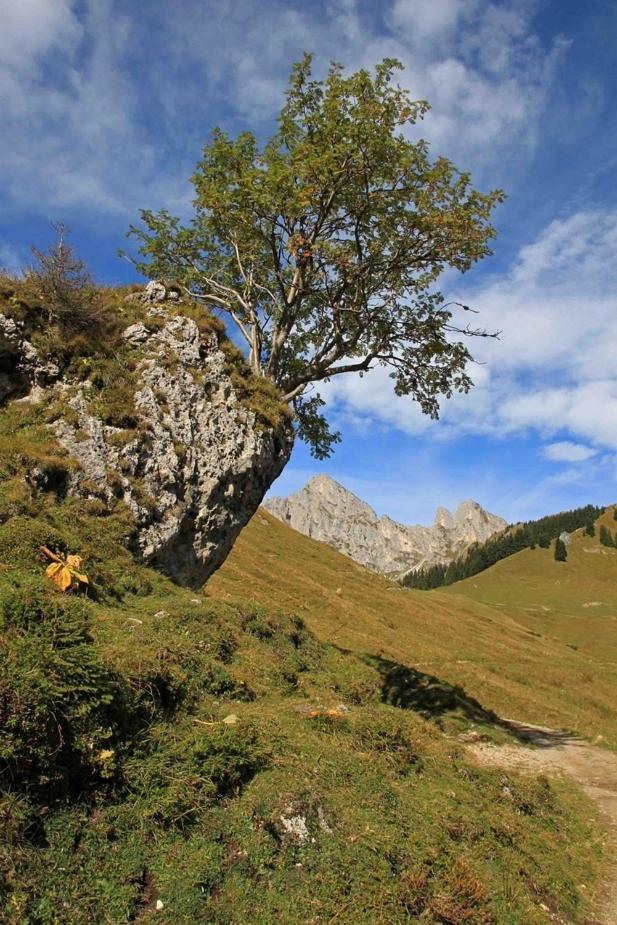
pixel 136 333
pixel 323 824
pixel 296 829
pixel 160 905
pixel 155 291
pixel 161 613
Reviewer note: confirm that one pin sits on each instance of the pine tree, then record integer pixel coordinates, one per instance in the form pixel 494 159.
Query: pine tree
pixel 590 529
pixel 606 537
pixel 561 553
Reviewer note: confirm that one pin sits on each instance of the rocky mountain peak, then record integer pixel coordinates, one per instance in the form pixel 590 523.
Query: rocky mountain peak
pixel 326 510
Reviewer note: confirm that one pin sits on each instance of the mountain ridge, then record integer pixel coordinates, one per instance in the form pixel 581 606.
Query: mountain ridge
pixel 325 510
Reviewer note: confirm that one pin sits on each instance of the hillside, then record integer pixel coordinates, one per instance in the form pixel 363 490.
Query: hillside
pixel 481 555
pixel 575 604
pixel 504 657
pixel 167 757
pixel 286 746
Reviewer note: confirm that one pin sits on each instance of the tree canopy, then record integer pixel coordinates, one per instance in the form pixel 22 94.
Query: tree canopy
pixel 323 244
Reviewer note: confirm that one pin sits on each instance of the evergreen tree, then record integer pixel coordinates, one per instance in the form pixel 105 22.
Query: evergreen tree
pixel 481 556
pixel 561 553
pixel 606 537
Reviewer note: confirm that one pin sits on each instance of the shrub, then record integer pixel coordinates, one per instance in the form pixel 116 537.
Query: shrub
pixel 62 282
pixel 61 706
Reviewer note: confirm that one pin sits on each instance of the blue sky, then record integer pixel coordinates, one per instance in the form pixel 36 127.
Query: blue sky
pixel 105 106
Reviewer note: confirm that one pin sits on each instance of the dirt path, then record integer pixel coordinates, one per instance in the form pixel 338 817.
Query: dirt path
pixel 595 769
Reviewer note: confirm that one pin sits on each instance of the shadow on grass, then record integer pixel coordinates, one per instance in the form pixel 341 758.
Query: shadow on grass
pixel 434 698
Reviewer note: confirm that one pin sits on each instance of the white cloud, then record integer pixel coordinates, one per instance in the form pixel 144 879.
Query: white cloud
pixel 420 20
pixel 106 108
pixel 31 28
pixel 553 369
pixel 566 451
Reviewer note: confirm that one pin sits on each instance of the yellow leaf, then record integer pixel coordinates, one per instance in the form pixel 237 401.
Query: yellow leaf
pixel 81 577
pixel 60 574
pixel 74 561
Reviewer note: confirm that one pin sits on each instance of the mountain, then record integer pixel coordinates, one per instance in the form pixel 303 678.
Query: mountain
pixel 325 510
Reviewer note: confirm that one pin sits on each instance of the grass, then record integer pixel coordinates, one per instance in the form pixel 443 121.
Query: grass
pixel 331 794
pixel 279 748
pixel 488 636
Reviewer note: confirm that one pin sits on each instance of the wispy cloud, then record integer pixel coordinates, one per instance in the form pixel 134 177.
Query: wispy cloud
pixel 106 106
pixel 552 370
pixel 566 451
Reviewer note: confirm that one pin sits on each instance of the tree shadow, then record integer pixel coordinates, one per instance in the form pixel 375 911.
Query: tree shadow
pixel 435 699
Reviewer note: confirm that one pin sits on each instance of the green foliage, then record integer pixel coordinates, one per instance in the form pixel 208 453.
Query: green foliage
pixel 59 702
pixel 606 537
pixel 122 786
pixel 561 552
pixel 481 556
pixel 590 529
pixel 322 246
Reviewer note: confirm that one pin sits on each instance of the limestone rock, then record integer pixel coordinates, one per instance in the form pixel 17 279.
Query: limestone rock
pixel 21 368
pixel 195 468
pixel 326 511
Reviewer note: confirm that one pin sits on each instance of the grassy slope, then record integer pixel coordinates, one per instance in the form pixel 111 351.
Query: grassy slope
pixel 575 602
pixel 518 662
pixel 121 787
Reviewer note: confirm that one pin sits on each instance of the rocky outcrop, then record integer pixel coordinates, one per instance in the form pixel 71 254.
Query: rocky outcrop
pixel 196 446
pixel 21 368
pixel 326 511
pixel 197 463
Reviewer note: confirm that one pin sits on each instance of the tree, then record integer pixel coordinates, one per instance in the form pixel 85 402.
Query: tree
pixel 606 537
pixel 561 553
pixel 322 246
pixel 61 280
pixel 590 528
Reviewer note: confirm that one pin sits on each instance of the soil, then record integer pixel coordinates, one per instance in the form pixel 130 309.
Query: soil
pixel 592 767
